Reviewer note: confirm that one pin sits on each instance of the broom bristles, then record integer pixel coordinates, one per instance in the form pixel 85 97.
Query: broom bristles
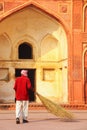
pixel 55 109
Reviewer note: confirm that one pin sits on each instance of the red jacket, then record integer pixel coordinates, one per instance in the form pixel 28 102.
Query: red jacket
pixel 22 86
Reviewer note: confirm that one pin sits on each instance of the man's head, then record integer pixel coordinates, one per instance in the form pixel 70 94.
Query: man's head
pixel 24 72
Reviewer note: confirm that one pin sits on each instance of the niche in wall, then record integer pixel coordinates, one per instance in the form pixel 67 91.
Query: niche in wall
pixel 48 74
pixel 25 51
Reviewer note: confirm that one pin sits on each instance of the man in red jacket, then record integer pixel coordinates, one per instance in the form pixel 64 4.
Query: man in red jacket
pixel 21 87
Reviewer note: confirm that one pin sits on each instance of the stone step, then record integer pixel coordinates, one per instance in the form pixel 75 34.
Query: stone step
pixel 35 106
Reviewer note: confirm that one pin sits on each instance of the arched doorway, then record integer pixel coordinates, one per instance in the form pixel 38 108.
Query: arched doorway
pixel 25 52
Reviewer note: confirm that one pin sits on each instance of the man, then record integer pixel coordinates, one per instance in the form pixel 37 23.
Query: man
pixel 21 87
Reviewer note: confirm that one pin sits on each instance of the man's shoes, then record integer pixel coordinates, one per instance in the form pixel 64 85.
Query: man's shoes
pixel 25 121
pixel 17 121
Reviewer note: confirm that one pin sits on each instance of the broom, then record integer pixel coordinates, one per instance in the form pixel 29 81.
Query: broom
pixel 55 109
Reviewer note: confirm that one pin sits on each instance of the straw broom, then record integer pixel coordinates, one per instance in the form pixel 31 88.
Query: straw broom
pixel 55 109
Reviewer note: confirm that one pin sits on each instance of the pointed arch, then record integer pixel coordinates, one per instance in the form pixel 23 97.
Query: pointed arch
pixel 40 7
pixel 85 17
pixel 49 48
pixel 27 41
pixel 5 47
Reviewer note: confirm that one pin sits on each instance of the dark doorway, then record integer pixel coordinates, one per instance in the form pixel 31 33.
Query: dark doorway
pixel 31 75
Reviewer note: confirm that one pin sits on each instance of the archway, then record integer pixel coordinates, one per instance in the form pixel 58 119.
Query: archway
pixel 47 33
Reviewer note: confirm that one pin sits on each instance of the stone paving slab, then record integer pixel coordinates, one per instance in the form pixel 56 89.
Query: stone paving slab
pixel 43 120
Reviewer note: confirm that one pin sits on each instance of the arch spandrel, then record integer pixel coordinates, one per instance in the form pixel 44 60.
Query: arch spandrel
pixel 39 7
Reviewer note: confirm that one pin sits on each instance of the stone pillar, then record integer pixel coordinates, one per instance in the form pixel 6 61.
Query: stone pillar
pixel 11 73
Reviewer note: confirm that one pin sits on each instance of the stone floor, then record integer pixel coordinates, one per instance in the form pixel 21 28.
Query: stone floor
pixel 43 120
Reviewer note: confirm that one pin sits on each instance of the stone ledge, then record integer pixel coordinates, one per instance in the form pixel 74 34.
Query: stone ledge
pixel 32 106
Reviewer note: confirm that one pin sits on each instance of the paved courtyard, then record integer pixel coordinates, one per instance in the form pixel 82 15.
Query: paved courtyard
pixel 43 120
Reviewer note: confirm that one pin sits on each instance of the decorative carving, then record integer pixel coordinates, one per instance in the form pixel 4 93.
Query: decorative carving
pixel 63 8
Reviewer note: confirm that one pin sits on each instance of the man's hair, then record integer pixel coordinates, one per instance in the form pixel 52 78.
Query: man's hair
pixel 24 72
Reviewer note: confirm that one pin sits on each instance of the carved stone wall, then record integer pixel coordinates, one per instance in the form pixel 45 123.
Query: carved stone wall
pixel 55 30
